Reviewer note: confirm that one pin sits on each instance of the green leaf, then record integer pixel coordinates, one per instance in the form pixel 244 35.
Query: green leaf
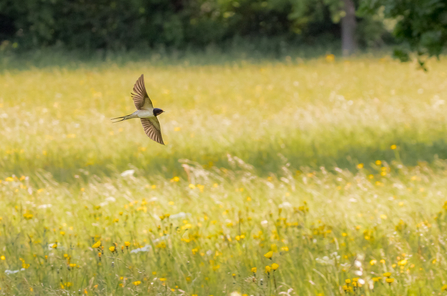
pixel 401 54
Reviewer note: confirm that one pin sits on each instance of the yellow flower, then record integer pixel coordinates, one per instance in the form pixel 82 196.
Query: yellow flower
pixel 268 269
pixel 348 281
pixel 393 147
pixel 275 266
pixel 28 216
pixel 96 245
pixel 112 249
pixel 3 257
pixel 382 261
pixel 127 244
pixel 253 269
pixel 163 279
pixel 136 283
pixel 389 280
pixel 175 179
pixel 330 58
pixel 268 255
pixel 444 288
pixel 372 262
pixel 360 166
pixel 378 162
pixel 192 186
pixel 285 248
pixel 387 274
pixel 376 279
pixel 402 262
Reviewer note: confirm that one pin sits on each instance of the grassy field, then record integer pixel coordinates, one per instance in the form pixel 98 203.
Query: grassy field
pixel 300 177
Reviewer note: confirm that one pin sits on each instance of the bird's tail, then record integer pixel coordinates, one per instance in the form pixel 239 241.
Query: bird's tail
pixel 122 118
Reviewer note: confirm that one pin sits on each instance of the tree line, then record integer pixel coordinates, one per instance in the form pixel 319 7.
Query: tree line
pixel 420 25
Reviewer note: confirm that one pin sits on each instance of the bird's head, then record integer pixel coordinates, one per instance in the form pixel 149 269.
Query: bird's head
pixel 157 111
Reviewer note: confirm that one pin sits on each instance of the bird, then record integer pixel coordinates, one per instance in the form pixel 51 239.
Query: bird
pixel 145 111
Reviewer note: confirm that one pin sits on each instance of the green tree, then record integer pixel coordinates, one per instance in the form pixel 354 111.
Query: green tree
pixel 421 25
pixel 341 11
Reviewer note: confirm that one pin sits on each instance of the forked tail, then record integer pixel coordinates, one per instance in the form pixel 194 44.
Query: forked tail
pixel 121 118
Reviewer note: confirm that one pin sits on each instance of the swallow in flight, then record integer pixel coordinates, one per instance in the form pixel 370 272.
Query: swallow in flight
pixel 145 111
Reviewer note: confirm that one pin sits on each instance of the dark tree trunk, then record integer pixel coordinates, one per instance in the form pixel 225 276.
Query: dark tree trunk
pixel 348 25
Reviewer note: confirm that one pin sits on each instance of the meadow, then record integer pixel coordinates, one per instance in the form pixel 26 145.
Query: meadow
pixel 324 176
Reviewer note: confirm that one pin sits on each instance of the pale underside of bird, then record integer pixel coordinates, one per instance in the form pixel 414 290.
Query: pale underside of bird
pixel 145 111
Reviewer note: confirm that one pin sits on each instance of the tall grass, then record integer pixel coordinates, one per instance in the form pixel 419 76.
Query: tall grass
pixel 329 171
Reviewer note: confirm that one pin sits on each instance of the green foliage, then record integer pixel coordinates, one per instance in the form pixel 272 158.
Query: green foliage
pixel 124 25
pixel 421 26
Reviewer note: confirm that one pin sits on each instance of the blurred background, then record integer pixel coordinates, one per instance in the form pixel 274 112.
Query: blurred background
pixel 271 26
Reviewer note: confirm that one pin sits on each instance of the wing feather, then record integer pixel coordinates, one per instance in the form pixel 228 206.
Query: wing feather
pixel 152 129
pixel 139 95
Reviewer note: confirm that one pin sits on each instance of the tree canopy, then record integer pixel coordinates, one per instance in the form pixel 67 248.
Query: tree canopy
pixel 421 25
pixel 128 24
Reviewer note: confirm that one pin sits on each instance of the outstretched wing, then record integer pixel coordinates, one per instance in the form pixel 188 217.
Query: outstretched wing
pixel 139 95
pixel 152 129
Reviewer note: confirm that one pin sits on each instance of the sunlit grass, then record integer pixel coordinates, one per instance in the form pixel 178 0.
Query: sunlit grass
pixel 324 176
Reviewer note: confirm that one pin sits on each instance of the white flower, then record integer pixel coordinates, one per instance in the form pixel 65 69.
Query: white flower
pixel 181 215
pixel 44 206
pixel 285 205
pixel 146 248
pixel 328 261
pixel 160 239
pixel 127 173
pixel 265 223
pixel 13 271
